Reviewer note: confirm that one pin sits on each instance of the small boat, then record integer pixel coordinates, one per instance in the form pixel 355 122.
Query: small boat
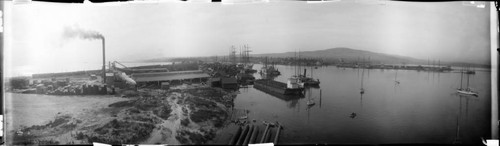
pixel 269 123
pixel 310 103
pixel 353 115
pixel 466 91
pixel 309 81
pixel 396 81
pixel 269 70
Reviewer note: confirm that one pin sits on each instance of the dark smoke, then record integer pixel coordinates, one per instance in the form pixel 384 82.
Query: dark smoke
pixel 73 32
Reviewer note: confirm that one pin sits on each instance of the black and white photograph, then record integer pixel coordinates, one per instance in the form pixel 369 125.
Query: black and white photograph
pixel 250 72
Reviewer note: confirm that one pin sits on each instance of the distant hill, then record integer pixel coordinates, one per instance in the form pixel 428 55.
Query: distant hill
pixel 333 55
pixel 349 55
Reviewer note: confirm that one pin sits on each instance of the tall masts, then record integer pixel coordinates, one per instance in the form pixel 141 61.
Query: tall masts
pixel 461 77
pixel 244 54
pixel 232 54
pixel 467 81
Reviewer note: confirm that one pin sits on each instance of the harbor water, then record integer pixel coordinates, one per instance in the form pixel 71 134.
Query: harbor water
pixel 422 108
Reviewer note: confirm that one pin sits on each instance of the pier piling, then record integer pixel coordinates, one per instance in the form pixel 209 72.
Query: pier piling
pixel 276 138
pixel 235 137
pixel 268 136
pixel 264 134
pixel 249 134
pixel 254 135
pixel 242 136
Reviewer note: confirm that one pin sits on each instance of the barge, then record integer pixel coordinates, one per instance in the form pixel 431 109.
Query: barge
pixel 292 87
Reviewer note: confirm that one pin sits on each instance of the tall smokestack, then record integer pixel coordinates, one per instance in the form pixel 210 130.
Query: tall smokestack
pixel 103 60
pixel 77 32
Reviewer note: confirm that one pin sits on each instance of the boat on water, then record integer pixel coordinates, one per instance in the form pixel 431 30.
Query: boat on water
pixel 309 81
pixel 396 81
pixel 292 87
pixel 269 70
pixel 467 90
pixel 353 115
pixel 310 103
pixel 248 69
pixel 470 72
pixel 245 78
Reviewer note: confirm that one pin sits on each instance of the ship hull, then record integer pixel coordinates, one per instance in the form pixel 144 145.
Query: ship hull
pixel 467 92
pixel 276 87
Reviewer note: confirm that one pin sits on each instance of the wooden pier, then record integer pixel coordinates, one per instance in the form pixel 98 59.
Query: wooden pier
pixel 250 134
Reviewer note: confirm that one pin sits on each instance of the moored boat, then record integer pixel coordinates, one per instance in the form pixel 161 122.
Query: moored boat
pixel 292 87
pixel 466 91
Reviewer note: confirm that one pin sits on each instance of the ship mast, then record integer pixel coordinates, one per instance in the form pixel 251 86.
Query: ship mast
pixel 467 81
pixel 461 76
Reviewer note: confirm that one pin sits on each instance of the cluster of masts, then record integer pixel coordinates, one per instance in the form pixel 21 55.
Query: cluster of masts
pixel 244 54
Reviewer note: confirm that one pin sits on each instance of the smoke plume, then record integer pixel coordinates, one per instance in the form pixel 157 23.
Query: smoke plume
pixel 74 32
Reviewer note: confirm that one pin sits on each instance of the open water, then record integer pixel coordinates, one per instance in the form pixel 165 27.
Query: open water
pixel 423 108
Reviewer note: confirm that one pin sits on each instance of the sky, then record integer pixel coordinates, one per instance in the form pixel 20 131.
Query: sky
pixel 36 40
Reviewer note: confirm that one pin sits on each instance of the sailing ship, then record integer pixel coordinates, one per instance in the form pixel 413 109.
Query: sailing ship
pixel 396 81
pixel 467 90
pixel 269 70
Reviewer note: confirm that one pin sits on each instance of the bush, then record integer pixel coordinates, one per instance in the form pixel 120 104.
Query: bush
pixel 163 112
pixel 118 132
pixel 80 136
pixel 19 83
pixel 134 111
pixel 185 122
pixel 181 139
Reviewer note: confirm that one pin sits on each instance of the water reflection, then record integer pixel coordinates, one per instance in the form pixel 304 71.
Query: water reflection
pixel 461 112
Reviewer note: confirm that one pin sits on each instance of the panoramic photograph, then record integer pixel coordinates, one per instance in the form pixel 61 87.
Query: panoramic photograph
pixel 281 72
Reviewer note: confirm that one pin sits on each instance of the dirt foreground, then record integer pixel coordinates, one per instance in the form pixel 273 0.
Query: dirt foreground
pixel 186 114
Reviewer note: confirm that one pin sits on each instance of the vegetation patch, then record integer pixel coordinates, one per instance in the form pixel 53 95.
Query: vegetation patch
pixel 123 104
pixel 27 135
pixel 185 122
pixel 218 116
pixel 118 132
pixel 200 102
pixel 195 137
pixel 163 111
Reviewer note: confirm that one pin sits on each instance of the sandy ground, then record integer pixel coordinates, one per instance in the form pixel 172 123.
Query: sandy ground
pixel 91 113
